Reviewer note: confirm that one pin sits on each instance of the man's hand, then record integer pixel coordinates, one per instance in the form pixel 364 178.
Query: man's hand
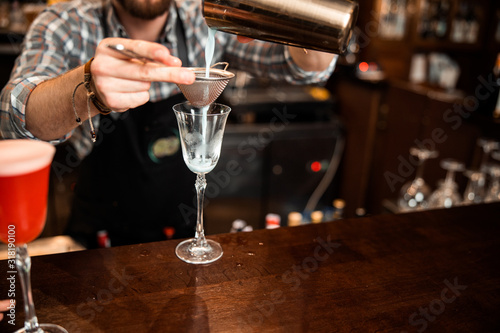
pixel 123 83
pixel 119 82
pixel 4 304
pixel 311 60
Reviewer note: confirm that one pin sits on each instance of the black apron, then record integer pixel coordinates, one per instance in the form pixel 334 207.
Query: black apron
pixel 135 183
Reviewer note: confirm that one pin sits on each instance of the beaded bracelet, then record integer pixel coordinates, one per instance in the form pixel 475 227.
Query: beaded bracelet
pixel 91 96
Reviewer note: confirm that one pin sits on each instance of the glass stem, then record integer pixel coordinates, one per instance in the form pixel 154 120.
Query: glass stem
pixel 420 169
pixel 495 186
pixel 450 177
pixel 200 185
pixel 23 263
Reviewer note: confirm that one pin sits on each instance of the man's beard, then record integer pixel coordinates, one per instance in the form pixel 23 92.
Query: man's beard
pixel 145 9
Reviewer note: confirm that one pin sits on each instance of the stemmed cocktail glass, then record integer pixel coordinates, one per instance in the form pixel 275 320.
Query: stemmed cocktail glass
pixel 201 131
pixel 24 181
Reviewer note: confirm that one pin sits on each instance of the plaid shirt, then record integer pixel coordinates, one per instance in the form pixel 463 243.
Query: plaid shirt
pixel 66 36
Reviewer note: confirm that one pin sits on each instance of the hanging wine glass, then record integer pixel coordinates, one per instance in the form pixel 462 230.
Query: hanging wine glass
pixel 475 190
pixel 493 192
pixel 414 194
pixel 447 195
pixel 488 146
pixel 476 187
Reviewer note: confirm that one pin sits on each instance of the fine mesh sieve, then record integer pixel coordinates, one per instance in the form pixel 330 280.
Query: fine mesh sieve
pixel 205 90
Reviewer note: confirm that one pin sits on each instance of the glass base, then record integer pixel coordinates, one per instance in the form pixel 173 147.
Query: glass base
pixel 186 251
pixel 46 328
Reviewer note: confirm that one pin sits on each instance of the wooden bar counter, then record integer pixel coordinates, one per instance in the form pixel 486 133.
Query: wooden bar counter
pixel 434 271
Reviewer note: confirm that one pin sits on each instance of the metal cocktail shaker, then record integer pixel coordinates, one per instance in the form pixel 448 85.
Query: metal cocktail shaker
pixel 323 25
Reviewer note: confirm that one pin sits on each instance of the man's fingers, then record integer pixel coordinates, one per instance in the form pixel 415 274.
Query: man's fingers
pixel 172 74
pixel 113 84
pixel 123 101
pixel 4 304
pixel 123 82
pixel 106 68
pixel 143 49
pixel 109 65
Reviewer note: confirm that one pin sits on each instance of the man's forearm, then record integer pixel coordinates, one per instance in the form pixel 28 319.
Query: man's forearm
pixel 49 110
pixel 311 61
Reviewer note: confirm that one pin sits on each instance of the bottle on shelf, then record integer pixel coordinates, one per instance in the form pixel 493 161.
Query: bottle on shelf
pixel 238 226
pixel 472 32
pixel 360 212
pixel 434 19
pixel 496 75
pixel 294 219
pixel 103 240
pixel 4 14
pixel 273 221
pixel 16 18
pixel 496 112
pixel 339 205
pixel 442 19
pixel 247 228
pixel 459 25
pixel 169 232
pixel 306 217
pixel 317 216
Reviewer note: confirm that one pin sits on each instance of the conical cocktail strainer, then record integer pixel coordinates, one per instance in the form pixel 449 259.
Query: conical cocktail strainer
pixel 205 90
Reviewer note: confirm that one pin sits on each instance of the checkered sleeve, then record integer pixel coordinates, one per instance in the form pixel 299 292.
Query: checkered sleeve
pixel 12 108
pixel 40 60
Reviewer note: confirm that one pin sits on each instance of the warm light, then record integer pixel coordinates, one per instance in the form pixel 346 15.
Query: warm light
pixel 316 166
pixel 364 66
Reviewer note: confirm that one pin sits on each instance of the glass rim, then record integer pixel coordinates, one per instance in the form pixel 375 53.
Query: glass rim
pixel 225 109
pixel 21 156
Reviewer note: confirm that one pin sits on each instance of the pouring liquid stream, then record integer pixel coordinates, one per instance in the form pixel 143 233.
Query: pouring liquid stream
pixel 209 54
pixel 209 51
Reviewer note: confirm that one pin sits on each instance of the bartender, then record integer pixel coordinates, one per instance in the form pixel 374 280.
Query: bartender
pixel 66 85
